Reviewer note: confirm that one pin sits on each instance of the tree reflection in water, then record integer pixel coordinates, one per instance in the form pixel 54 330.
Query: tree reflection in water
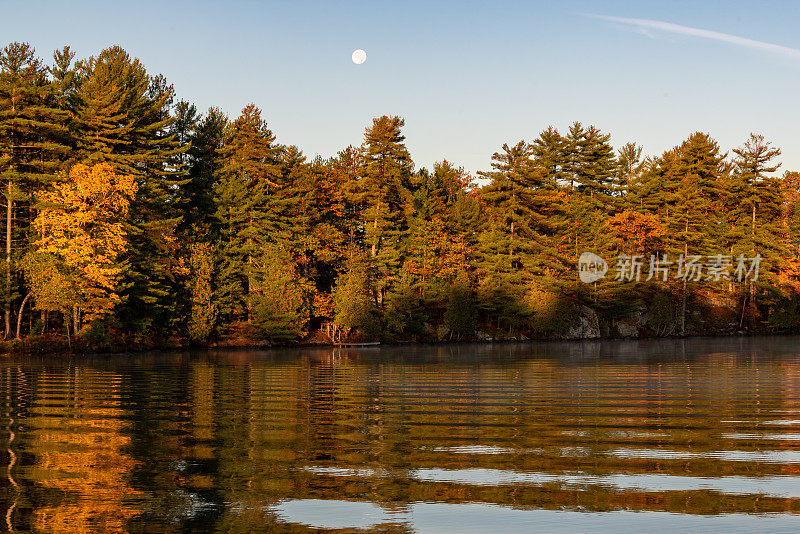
pixel 395 438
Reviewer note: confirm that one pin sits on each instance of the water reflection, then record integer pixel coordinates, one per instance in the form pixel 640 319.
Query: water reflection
pixel 690 434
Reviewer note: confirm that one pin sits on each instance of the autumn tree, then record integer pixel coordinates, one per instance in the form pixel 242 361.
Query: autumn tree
pixel 82 225
pixel 283 302
pixel 51 284
pixel 354 309
pixel 203 313
pixel 637 233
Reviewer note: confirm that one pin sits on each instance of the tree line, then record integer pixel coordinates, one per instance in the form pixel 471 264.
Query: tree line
pixel 132 217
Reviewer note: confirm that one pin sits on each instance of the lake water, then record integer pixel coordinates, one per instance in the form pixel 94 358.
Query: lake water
pixel 620 437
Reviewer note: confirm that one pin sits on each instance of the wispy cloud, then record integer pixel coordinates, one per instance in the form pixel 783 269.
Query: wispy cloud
pixel 643 25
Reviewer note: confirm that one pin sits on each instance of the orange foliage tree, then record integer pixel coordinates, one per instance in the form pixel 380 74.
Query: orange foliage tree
pixel 637 233
pixel 81 224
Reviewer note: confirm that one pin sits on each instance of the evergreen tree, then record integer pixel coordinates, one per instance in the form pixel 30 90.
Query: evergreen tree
pixel 205 135
pixel 754 169
pixel 550 156
pixel 460 312
pixel 382 194
pixel 690 200
pixel 692 195
pixel 591 171
pixel 591 165
pixel 629 167
pixel 33 145
pixel 65 80
pixel 248 209
pixel 125 119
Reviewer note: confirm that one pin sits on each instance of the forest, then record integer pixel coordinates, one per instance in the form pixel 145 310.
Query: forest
pixel 132 219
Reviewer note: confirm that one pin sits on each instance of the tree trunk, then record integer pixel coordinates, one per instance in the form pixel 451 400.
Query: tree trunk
pixel 19 316
pixel 753 234
pixel 683 309
pixel 249 288
pixel 683 298
pixel 375 229
pixel 9 210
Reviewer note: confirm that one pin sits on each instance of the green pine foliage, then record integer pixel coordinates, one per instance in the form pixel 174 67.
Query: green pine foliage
pixel 248 209
pixel 34 146
pixel 382 192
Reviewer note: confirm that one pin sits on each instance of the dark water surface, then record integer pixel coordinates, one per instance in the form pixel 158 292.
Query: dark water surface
pixel 615 437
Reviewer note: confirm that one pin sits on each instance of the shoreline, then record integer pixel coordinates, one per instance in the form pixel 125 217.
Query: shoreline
pixel 382 345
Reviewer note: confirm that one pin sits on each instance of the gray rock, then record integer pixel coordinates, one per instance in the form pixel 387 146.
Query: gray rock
pixel 588 326
pixel 640 317
pixel 483 336
pixel 626 329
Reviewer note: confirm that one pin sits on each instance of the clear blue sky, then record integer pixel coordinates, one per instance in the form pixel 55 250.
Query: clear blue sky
pixel 467 76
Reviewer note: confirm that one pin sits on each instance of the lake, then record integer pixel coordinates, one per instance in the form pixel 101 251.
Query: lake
pixel 607 436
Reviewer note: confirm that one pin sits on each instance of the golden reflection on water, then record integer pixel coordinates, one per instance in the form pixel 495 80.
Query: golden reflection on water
pixel 394 439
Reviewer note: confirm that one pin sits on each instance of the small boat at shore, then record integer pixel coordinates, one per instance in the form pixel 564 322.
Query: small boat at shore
pixel 356 345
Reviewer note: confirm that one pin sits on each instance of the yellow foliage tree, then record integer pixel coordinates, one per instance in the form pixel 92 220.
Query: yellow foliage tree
pixel 81 223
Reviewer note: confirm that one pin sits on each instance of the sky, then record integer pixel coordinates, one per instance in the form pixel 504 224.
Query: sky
pixel 466 76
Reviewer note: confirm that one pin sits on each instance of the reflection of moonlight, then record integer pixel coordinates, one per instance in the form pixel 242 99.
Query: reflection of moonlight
pixel 359 57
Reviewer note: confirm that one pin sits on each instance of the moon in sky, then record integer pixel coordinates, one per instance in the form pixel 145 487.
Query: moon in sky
pixel 359 57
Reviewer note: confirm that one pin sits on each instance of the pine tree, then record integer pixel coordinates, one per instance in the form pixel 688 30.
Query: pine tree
pixel 550 156
pixel 509 242
pixel 591 163
pixel 591 172
pixel 692 185
pixel 64 79
pixel 248 208
pixel 629 167
pixel 760 206
pixel 690 200
pixel 755 167
pixel 382 195
pixel 33 143
pixel 205 134
pixel 524 210
pixel 125 119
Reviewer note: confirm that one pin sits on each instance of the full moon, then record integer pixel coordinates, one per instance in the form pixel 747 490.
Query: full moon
pixel 359 57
